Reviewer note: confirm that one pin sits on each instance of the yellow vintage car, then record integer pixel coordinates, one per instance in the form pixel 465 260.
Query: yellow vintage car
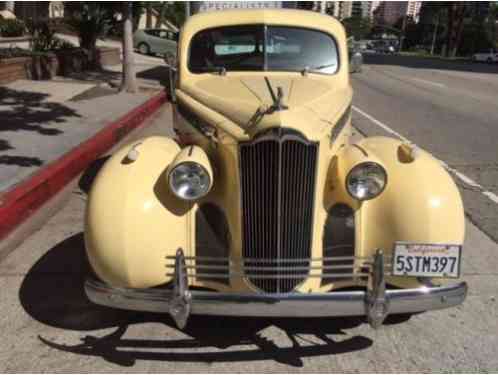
pixel 263 205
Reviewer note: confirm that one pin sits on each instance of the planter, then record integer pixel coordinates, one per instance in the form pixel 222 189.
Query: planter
pixel 15 68
pixel 65 62
pixel 43 66
pixel 108 56
pixel 72 61
pixel 78 60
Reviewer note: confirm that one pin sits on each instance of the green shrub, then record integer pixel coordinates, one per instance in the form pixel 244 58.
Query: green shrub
pixel 90 20
pixel 11 27
pixel 44 38
pixel 6 53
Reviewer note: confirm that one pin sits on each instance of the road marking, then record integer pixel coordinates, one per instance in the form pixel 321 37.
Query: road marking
pixel 467 180
pixel 428 82
pixel 378 123
pixel 491 196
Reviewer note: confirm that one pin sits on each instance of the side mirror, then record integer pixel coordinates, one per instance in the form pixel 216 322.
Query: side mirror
pixel 171 63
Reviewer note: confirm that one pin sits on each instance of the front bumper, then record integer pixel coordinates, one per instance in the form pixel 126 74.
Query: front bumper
pixel 376 302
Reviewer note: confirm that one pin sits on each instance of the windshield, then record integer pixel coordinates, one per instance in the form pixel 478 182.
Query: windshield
pixel 252 48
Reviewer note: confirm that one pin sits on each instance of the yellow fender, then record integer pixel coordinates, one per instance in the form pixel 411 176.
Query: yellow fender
pixel 420 203
pixel 133 221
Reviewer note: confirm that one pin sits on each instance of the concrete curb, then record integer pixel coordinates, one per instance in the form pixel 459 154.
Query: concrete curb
pixel 22 201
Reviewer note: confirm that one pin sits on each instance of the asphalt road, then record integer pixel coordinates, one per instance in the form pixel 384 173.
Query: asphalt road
pixel 48 325
pixel 448 108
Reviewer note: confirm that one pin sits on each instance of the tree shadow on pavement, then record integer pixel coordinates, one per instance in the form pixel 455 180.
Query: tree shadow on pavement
pixel 95 76
pixel 21 161
pixel 52 293
pixel 4 145
pixel 26 111
pixel 429 63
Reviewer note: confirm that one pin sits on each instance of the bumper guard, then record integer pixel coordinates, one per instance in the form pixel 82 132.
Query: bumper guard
pixel 376 302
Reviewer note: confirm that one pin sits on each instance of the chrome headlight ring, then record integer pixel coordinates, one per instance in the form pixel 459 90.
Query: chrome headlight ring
pixel 366 181
pixel 189 181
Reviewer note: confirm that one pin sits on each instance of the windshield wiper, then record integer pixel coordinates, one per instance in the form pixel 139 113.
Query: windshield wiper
pixel 221 70
pixel 316 69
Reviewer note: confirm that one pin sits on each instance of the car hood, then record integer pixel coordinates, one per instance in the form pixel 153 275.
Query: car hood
pixel 313 103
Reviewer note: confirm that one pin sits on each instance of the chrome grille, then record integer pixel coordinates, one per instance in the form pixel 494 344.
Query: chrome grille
pixel 278 185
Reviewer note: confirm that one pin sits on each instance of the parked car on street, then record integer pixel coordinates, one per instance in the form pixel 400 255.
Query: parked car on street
pixel 490 56
pixel 155 41
pixel 263 204
pixel 386 49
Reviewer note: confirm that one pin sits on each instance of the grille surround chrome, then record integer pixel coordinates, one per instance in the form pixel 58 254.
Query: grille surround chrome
pixel 277 201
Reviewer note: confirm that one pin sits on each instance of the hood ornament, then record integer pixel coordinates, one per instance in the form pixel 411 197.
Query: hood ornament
pixel 277 99
pixel 264 109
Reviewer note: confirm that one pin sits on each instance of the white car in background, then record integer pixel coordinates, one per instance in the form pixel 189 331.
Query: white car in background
pixel 490 57
pixel 155 41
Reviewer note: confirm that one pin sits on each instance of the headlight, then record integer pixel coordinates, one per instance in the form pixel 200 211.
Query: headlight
pixel 366 181
pixel 189 181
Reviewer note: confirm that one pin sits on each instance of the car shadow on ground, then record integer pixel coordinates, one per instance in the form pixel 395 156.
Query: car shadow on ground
pixel 157 73
pixel 429 63
pixel 52 293
pixel 86 180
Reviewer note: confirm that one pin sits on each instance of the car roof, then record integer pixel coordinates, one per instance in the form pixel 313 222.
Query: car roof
pixel 281 17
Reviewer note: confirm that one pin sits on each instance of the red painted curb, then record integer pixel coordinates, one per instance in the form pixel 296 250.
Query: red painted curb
pixel 24 199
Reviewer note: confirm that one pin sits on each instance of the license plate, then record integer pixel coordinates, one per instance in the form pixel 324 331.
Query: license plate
pixel 426 260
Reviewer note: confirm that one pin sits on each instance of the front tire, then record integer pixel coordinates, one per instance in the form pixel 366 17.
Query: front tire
pixel 144 48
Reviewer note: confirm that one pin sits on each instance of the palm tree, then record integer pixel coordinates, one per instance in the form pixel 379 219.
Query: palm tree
pixel 129 82
pixel 91 20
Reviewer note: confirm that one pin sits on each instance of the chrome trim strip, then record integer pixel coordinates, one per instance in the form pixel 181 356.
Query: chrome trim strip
pixel 340 124
pixel 273 277
pixel 352 303
pixel 283 260
pixel 263 268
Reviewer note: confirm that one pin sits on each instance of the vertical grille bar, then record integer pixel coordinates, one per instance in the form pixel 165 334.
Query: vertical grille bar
pixel 278 186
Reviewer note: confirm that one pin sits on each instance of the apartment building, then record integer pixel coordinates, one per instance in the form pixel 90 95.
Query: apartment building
pixel 389 12
pixel 346 9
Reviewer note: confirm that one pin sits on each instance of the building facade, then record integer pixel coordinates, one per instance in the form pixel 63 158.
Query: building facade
pixel 347 9
pixel 35 10
pixel 389 12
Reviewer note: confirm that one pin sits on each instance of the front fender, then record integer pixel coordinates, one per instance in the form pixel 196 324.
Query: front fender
pixel 421 202
pixel 133 221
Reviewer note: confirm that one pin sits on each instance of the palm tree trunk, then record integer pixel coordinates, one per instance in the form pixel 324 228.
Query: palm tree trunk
pixel 129 82
pixel 148 15
pixel 449 33
pixel 162 14
pixel 456 16
pixel 459 30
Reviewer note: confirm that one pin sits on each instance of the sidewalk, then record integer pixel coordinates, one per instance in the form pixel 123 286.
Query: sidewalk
pixel 42 120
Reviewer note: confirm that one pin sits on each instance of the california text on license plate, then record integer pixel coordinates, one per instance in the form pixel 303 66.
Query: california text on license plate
pixel 426 260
